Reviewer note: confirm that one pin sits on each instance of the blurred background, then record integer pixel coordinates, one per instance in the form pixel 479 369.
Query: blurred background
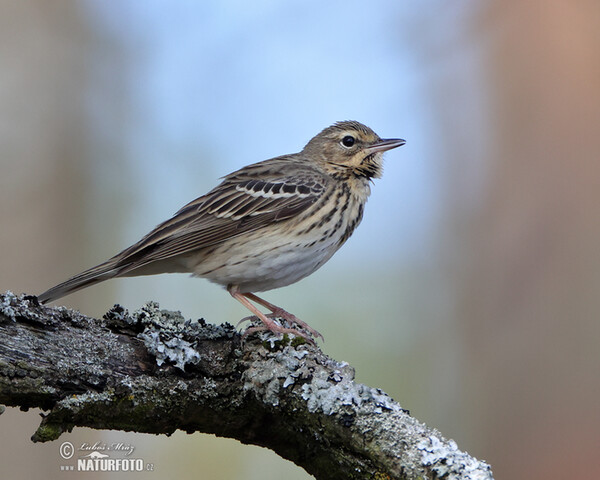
pixel 471 291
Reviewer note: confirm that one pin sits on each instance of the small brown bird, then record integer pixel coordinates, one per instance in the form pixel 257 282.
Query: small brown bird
pixel 265 226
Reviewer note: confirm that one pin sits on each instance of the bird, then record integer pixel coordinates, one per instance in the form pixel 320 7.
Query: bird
pixel 265 226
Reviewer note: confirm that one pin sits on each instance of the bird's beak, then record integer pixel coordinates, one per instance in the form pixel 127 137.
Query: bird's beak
pixel 385 144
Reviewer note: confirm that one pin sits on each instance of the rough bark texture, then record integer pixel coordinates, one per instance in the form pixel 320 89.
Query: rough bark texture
pixel 153 371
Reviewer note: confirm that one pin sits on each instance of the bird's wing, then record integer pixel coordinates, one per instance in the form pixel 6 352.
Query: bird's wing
pixel 245 201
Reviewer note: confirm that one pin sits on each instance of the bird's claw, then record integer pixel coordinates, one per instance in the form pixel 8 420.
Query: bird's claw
pixel 278 330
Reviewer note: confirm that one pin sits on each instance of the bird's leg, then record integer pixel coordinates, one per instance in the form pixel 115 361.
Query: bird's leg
pixel 278 312
pixel 267 322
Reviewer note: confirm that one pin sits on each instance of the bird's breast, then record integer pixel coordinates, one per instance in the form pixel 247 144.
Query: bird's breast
pixel 287 251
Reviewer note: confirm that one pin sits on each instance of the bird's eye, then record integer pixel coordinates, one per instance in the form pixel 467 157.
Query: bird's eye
pixel 348 141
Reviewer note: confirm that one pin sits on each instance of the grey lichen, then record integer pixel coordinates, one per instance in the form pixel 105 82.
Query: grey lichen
pixel 275 371
pixel 168 335
pixel 6 307
pixel 322 394
pixel 326 385
pixel 448 462
pixel 14 306
pixel 176 350
pixel 164 334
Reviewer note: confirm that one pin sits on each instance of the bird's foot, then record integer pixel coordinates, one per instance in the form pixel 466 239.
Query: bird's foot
pixel 304 330
pixel 274 327
pixel 279 312
pixel 249 318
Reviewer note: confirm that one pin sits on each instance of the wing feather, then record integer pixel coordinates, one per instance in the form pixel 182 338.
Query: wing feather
pixel 247 200
pixel 238 205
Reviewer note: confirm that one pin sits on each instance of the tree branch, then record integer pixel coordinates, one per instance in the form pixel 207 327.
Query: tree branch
pixel 153 371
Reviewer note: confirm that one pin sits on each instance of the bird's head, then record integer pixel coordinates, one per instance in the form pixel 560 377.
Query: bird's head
pixel 350 149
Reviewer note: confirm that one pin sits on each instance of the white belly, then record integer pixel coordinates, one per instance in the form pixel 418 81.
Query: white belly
pixel 268 266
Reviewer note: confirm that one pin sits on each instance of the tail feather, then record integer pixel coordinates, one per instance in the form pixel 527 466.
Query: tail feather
pixel 97 274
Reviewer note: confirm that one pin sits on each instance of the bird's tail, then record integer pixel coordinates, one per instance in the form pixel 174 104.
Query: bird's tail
pixel 97 274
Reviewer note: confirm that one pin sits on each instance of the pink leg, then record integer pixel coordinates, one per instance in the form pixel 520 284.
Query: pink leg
pixel 269 324
pixel 278 312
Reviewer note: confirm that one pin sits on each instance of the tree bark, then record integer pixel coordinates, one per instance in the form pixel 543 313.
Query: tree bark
pixel 154 371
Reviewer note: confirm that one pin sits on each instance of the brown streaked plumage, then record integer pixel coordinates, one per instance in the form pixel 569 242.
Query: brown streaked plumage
pixel 265 226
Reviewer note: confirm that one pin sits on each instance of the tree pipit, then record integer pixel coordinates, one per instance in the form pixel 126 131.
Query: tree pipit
pixel 264 226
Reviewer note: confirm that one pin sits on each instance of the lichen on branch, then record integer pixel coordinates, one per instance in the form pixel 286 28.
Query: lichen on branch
pixel 154 371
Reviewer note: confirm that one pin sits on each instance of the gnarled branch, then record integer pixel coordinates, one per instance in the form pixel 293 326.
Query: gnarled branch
pixel 153 371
